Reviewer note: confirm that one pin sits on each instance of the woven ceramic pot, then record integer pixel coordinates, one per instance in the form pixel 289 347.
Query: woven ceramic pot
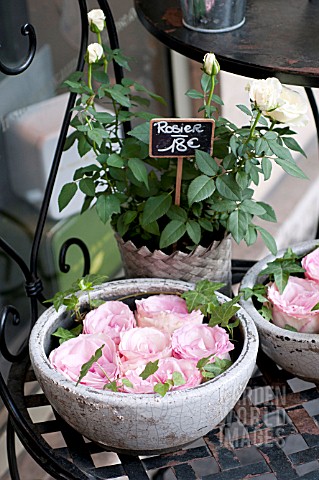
pixel 298 353
pixel 142 423
pixel 212 263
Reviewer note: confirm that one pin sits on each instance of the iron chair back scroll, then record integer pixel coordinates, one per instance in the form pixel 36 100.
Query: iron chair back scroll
pixel 33 284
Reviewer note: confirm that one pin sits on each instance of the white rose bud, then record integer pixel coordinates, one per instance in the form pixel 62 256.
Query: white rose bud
pixel 210 66
pixel 265 93
pixel 292 109
pixel 96 20
pixel 94 52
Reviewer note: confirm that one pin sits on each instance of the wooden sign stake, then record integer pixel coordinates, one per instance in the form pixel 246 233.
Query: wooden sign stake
pixel 178 184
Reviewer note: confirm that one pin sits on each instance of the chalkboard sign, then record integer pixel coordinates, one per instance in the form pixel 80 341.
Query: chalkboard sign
pixel 175 137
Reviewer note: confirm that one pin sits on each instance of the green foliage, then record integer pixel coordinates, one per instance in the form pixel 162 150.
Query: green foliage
pixel 279 269
pixel 63 334
pixel 70 300
pixel 204 298
pixel 211 369
pixel 136 192
pixel 86 366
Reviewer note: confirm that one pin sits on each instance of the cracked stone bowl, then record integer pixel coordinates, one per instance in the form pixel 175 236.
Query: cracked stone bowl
pixel 141 424
pixel 298 353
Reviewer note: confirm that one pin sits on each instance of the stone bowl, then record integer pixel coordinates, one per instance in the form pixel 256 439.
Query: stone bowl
pixel 297 353
pixel 141 424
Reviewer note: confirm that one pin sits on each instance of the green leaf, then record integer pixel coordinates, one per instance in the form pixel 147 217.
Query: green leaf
pixel 290 328
pixel 111 386
pixel 316 307
pixel 237 225
pixel 178 379
pixel 115 160
pixel 64 334
pixel 252 207
pixel 86 366
pixel 106 206
pixel 150 369
pixel 266 167
pixel 206 163
pixel 173 231
pixel 251 235
pixel 293 145
pixel 200 188
pixel 141 132
pixel 177 213
pixel 280 151
pixel 268 240
pixel 118 96
pixel 156 207
pixel 213 369
pixel 192 93
pixel 67 193
pixel 138 169
pixel 206 224
pixel 152 228
pixel 242 179
pixel 127 383
pixel 266 313
pixel 269 214
pixel 291 168
pixel 97 135
pixel 84 146
pixel 87 186
pixel 228 188
pixel 162 388
pixel 104 117
pixel 194 231
pixel 204 294
pixel 259 291
pixel 244 109
pixel 222 313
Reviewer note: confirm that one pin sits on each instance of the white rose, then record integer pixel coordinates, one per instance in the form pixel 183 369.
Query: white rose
pixel 210 65
pixel 292 109
pixel 96 18
pixel 94 52
pixel 265 93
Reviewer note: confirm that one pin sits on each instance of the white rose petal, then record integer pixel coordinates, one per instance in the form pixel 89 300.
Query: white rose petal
pixel 94 52
pixel 292 109
pixel 96 17
pixel 265 93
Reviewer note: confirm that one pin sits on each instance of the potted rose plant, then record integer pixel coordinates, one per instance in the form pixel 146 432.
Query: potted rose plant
pixel 142 372
pixel 136 192
pixel 282 296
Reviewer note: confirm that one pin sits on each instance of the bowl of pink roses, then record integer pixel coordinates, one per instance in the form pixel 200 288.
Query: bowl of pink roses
pixel 155 365
pixel 281 294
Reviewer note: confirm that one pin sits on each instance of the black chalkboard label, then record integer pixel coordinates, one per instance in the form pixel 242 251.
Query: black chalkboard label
pixel 180 137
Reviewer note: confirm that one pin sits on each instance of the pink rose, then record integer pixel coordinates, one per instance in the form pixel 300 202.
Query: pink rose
pixel 166 368
pixel 145 344
pixel 311 264
pixel 110 318
pixel 198 341
pixel 293 307
pixel 165 312
pixel 69 357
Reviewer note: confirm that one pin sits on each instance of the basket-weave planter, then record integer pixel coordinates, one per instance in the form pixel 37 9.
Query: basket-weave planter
pixel 212 263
